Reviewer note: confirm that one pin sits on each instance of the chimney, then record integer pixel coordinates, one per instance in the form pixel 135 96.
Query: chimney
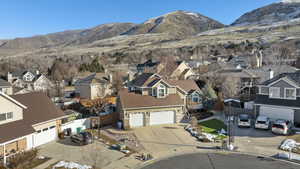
pixel 9 77
pixel 271 73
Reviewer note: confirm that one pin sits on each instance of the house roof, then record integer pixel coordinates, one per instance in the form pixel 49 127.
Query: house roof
pixel 133 100
pixel 93 78
pixel 168 68
pixel 148 63
pixel 186 85
pixel 294 77
pixel 141 79
pixel 40 108
pixel 263 72
pixel 4 83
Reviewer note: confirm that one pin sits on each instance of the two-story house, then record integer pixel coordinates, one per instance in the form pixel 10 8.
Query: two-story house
pixel 5 87
pixel 94 86
pixel 152 100
pixel 27 121
pixel 279 97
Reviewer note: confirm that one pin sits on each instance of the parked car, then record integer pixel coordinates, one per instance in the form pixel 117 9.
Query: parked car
pixel 281 126
pixel 244 120
pixel 262 122
pixel 82 138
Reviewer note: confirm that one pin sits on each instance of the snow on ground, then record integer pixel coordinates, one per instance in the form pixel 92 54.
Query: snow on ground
pixel 70 165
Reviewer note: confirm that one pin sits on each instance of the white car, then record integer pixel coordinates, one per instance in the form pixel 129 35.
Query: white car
pixel 281 126
pixel 262 122
pixel 244 120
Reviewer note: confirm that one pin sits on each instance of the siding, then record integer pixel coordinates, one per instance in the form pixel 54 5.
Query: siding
pixel 264 90
pixel 8 106
pixel 282 84
pixel 264 99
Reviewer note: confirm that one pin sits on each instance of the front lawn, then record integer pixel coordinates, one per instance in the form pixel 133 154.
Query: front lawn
pixel 213 127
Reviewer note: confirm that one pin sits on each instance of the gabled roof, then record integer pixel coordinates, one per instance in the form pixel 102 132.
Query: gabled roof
pixel 93 78
pixel 131 100
pixel 13 100
pixel 141 79
pixel 39 109
pixel 186 85
pixel 294 77
pixel 4 83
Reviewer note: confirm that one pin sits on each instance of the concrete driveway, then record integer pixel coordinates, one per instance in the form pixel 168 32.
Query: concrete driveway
pixel 257 141
pixel 165 139
pixel 96 154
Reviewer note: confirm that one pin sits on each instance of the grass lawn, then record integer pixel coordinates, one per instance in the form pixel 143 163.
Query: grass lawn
pixel 213 126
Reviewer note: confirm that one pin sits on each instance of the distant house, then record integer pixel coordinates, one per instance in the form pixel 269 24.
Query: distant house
pixel 148 66
pixel 27 121
pixel 5 87
pixel 94 86
pixel 152 100
pixel 29 81
pixel 279 97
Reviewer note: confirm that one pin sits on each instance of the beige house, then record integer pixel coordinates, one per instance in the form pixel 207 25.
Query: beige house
pixel 152 100
pixel 5 87
pixel 93 86
pixel 27 121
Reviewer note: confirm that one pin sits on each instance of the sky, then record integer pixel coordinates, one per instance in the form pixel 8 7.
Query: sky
pixel 23 18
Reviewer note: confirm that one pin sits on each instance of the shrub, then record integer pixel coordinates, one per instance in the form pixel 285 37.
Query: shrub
pixel 21 159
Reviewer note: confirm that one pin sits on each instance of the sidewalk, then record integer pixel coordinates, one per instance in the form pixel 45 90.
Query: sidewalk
pixel 46 164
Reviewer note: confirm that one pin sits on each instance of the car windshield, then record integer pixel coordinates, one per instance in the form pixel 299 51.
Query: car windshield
pixel 244 117
pixel 261 122
pixel 278 126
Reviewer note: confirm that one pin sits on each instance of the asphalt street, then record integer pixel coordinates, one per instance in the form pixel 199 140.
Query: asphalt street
pixel 220 161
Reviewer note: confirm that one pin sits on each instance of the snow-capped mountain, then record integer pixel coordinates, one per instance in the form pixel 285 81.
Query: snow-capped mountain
pixel 276 12
pixel 178 22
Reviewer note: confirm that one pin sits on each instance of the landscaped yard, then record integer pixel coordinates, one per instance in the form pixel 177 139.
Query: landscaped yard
pixel 213 127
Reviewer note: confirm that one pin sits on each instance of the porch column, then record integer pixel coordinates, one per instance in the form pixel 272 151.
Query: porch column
pixel 4 155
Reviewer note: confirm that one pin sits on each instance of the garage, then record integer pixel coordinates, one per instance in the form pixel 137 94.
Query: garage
pixel 45 135
pixel 277 113
pixel 163 117
pixel 136 120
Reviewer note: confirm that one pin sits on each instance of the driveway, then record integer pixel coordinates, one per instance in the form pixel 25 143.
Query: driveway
pixel 165 139
pixel 257 141
pixel 96 154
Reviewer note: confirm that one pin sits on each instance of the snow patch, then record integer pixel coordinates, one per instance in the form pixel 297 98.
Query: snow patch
pixel 192 14
pixel 290 1
pixel 70 165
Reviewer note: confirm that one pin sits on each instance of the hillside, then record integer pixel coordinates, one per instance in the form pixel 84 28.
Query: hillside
pixel 276 12
pixel 180 23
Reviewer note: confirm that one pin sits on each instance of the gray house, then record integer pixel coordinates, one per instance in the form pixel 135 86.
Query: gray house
pixel 279 97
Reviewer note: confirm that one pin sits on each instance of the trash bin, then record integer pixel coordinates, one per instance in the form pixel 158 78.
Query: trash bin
pixel 119 125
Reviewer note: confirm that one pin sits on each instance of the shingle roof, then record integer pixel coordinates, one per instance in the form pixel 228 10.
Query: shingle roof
pixel 295 77
pixel 4 83
pixel 93 78
pixel 186 85
pixel 39 109
pixel 133 100
pixel 141 79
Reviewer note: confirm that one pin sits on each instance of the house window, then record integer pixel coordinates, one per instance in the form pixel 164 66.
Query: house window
pixel 161 91
pixel 290 93
pixel 154 92
pixel 195 97
pixel 274 92
pixel 9 115
pixel 2 117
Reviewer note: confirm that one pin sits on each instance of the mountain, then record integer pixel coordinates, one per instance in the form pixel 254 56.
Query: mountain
pixel 66 37
pixel 276 12
pixel 180 23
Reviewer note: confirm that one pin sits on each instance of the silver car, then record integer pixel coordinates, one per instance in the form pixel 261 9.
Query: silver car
pixel 244 120
pixel 262 122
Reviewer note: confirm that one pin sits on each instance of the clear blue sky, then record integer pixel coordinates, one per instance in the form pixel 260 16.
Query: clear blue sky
pixel 21 18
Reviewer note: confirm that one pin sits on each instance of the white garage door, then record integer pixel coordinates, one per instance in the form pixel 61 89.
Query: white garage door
pixel 277 113
pixel 45 136
pixel 136 120
pixel 163 117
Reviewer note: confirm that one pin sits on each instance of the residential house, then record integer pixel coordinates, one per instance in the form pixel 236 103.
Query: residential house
pixel 279 97
pixel 152 100
pixel 94 86
pixel 27 121
pixel 148 66
pixel 5 87
pixel 29 81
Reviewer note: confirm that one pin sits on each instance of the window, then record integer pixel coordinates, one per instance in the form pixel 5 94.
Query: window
pixel 154 92
pixel 195 97
pixel 161 91
pixel 290 93
pixel 52 127
pixel 274 92
pixel 45 129
pixel 9 115
pixel 2 117
pixel 38 131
